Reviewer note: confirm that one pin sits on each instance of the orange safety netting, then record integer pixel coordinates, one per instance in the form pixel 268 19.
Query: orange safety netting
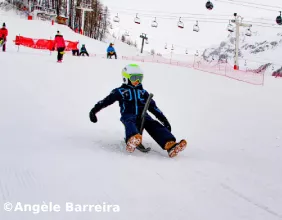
pixel 42 44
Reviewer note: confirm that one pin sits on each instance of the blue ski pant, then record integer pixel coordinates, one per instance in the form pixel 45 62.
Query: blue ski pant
pixel 154 128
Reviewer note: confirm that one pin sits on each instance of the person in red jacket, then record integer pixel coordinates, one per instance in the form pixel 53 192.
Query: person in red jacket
pixel 3 37
pixel 60 44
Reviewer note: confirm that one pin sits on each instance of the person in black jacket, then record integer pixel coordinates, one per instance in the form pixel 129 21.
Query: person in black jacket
pixel 83 51
pixel 132 98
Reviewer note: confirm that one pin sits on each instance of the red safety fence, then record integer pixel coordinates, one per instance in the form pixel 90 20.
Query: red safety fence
pixel 42 44
pixel 253 76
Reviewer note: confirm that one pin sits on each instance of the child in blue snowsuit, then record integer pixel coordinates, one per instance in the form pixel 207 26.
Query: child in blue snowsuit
pixel 111 52
pixel 83 50
pixel 132 98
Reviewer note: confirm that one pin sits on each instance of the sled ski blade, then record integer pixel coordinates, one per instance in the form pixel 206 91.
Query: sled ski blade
pixel 143 149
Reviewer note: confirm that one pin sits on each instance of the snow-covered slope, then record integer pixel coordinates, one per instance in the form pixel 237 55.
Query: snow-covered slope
pixel 38 29
pixel 51 152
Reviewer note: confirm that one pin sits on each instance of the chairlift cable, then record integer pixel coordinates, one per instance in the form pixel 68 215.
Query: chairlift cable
pixel 240 4
pixel 269 6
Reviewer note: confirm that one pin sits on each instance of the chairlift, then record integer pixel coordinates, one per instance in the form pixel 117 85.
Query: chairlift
pixel 248 32
pixel 116 18
pixel 196 27
pixel 197 53
pixel 165 46
pixel 230 27
pixel 126 33
pixel 209 5
pixel 137 20
pixel 51 12
pixel 172 48
pixel 180 24
pixel 186 51
pixel 279 19
pixel 147 41
pixel 154 23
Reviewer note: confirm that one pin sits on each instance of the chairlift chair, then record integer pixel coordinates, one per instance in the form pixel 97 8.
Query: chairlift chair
pixel 147 41
pixel 180 24
pixel 230 27
pixel 165 46
pixel 154 23
pixel 51 12
pixel 172 48
pixel 196 27
pixel 209 5
pixel 248 32
pixel 186 51
pixel 126 33
pixel 116 18
pixel 279 19
pixel 137 20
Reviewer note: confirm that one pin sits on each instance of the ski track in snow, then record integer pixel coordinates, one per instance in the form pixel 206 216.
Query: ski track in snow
pixel 51 152
pixel 258 205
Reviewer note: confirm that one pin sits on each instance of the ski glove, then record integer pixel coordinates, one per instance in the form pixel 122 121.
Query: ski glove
pixel 93 117
pixel 166 124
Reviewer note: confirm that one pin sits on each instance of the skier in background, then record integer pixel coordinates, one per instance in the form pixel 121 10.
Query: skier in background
pixel 111 51
pixel 83 51
pixel 60 44
pixel 3 37
pixel 76 51
pixel 132 98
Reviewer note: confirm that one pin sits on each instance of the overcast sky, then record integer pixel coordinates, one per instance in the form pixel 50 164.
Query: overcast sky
pixel 168 32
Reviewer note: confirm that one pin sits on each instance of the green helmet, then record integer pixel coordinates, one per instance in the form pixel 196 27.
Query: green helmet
pixel 132 74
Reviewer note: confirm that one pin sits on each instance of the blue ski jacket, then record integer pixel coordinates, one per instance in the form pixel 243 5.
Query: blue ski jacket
pixel 111 49
pixel 131 100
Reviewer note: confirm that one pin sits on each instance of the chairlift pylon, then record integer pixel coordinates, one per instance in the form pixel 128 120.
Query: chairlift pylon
pixel 154 23
pixel 180 24
pixel 116 18
pixel 196 27
pixel 209 5
pixel 137 20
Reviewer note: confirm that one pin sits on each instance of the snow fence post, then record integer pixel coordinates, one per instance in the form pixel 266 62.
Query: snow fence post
pixel 226 66
pixel 50 50
pixel 19 45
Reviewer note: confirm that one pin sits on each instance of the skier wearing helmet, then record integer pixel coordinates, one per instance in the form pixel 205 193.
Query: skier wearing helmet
pixel 132 98
pixel 111 51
